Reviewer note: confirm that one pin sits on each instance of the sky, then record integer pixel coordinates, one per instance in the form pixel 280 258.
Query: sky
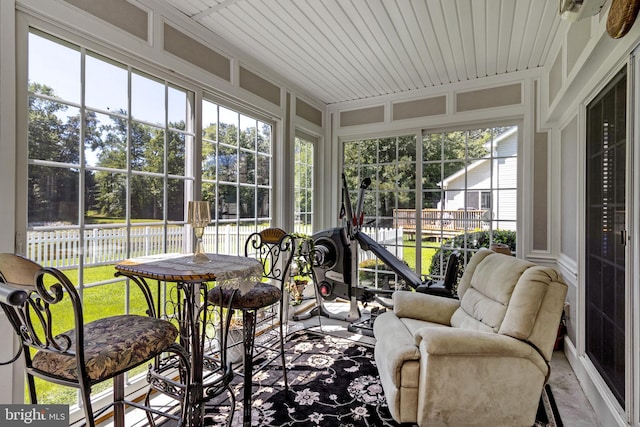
pixel 58 65
pixel 106 86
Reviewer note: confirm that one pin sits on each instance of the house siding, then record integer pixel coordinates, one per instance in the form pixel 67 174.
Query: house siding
pixel 504 187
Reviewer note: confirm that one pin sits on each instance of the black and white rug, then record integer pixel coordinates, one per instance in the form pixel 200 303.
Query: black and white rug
pixel 333 382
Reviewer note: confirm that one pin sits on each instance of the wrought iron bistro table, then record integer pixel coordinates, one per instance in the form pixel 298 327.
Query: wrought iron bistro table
pixel 192 282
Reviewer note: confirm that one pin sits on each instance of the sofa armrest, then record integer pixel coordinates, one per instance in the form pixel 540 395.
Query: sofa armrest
pixel 430 308
pixel 469 343
pixel 464 372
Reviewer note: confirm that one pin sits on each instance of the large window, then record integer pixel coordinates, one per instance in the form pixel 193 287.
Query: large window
pixel 391 165
pixel 469 185
pixel 112 154
pixel 462 195
pixel 107 155
pixel 303 184
pixel 236 176
pixel 107 175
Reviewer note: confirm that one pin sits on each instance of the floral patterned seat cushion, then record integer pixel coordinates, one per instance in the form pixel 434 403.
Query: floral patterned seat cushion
pixel 261 295
pixel 111 345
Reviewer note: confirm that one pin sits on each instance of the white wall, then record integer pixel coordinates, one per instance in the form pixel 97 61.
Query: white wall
pixel 585 59
pixel 12 378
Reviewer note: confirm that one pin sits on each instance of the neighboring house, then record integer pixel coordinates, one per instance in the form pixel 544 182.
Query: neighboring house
pixel 475 189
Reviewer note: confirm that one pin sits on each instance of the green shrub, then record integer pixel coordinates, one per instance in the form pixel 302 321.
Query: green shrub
pixel 473 242
pixel 371 263
pixel 372 266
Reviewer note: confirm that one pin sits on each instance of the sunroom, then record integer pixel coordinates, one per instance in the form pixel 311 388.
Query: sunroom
pixel 478 122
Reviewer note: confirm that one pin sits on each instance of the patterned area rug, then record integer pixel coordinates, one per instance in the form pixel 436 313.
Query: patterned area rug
pixel 333 382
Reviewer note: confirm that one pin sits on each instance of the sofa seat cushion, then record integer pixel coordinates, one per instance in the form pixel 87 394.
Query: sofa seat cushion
pixel 414 325
pixel 111 345
pixel 454 342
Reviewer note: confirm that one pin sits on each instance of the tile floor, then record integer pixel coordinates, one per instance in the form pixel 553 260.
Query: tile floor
pixel 575 410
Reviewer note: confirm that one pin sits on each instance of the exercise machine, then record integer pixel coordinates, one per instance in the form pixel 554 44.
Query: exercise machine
pixel 335 267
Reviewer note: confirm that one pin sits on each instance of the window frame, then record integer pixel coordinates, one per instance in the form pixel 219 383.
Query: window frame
pixel 517 222
pixel 255 223
pixel 303 227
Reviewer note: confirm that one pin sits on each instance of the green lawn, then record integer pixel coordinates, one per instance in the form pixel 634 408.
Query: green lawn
pixel 409 255
pixel 93 217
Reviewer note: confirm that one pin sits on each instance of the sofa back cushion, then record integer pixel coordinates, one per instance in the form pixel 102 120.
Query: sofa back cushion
pixel 485 290
pixel 535 309
pixel 506 295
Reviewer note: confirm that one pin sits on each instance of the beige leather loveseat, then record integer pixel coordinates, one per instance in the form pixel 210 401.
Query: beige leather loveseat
pixel 481 360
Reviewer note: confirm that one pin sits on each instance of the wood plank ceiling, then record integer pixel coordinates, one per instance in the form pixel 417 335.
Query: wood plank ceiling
pixel 343 50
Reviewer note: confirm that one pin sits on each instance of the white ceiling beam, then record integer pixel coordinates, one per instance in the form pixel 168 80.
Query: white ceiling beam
pixel 532 34
pixel 392 21
pixel 520 21
pixel 492 24
pixel 385 37
pixel 439 25
pixel 467 26
pixel 478 11
pixel 314 46
pixel 346 51
pixel 422 58
pixel 371 42
pixel 507 11
pixel 430 41
pixel 254 35
pixel 213 9
pixel 454 21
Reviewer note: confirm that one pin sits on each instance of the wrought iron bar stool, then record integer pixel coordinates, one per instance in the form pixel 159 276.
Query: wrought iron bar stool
pixel 37 300
pixel 274 248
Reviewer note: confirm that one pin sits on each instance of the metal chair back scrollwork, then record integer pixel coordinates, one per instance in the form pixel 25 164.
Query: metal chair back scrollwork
pixel 46 313
pixel 273 247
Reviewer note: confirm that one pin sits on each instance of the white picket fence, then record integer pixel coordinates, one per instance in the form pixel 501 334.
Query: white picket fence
pixel 100 246
pixel 391 238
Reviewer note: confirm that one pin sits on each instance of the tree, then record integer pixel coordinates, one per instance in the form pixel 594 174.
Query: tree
pixel 391 164
pixel 53 192
pixel 111 192
pixel 229 159
pixel 147 148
